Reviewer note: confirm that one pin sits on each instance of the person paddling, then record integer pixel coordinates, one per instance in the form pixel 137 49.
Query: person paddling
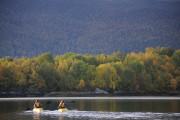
pixel 37 104
pixel 61 104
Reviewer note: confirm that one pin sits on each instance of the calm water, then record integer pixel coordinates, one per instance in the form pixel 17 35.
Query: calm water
pixel 93 109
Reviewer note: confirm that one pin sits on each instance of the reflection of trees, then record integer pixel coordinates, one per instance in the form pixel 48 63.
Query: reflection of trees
pixel 82 105
pixel 174 106
pixel 112 105
pixel 61 118
pixel 36 116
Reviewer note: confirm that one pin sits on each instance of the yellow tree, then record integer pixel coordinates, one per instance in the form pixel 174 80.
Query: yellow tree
pixel 173 84
pixel 106 76
pixel 81 84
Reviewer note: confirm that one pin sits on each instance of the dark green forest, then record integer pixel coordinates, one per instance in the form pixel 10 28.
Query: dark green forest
pixel 154 70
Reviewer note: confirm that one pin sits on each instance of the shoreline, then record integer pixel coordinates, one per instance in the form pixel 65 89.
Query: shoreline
pixel 94 98
pixel 13 94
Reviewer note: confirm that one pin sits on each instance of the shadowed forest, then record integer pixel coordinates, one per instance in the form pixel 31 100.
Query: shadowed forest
pixel 154 70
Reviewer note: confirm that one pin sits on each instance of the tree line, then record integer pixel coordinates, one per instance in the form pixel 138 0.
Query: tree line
pixel 154 70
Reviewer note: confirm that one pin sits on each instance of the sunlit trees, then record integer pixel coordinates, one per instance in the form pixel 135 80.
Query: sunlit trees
pixel 176 58
pixel 134 61
pixel 81 85
pixel 155 70
pixel 45 57
pixel 78 70
pixel 173 84
pixel 6 78
pixel 164 51
pixel 90 59
pixel 27 76
pixel 106 77
pixel 49 75
pixel 128 76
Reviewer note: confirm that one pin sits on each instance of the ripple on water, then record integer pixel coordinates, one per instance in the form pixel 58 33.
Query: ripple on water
pixel 108 115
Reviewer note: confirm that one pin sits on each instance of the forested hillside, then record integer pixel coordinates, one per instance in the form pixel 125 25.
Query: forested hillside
pixel 155 70
pixel 31 27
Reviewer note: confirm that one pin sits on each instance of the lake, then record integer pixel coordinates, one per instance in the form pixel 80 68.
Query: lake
pixel 93 108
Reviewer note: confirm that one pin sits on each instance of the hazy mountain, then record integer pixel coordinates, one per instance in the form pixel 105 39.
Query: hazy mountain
pixel 30 27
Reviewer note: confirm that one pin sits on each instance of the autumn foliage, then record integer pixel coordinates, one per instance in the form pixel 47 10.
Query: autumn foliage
pixel 155 70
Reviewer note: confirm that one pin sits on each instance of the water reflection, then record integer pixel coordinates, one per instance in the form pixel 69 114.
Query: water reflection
pixel 97 105
pixel 88 108
pixel 61 118
pixel 128 106
pixel 36 116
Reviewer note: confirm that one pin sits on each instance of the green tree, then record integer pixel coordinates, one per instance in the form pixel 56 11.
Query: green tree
pixel 45 57
pixel 49 75
pixel 176 58
pixel 128 76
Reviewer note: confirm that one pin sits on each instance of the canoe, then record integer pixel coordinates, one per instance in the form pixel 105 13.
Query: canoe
pixel 37 110
pixel 63 110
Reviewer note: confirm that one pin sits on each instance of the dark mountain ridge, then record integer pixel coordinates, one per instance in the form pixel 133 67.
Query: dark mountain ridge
pixel 30 27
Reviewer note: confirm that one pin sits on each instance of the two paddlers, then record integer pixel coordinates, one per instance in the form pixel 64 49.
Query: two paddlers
pixel 37 107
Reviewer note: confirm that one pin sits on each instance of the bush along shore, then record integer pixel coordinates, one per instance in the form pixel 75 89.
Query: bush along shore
pixel 156 71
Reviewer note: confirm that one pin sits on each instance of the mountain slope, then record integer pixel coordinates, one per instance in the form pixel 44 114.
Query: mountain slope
pixel 30 27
